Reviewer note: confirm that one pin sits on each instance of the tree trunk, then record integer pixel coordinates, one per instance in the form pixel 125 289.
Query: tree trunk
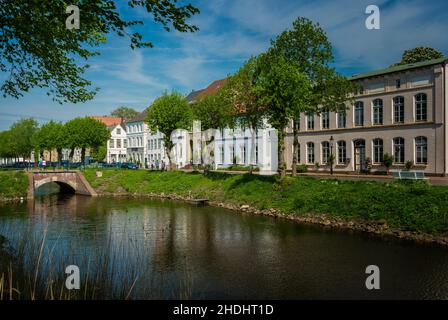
pixel 281 153
pixel 59 156
pixel 168 154
pixel 70 156
pixel 83 156
pixel 253 161
pixel 295 157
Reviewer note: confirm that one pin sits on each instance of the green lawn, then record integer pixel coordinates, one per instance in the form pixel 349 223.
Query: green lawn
pixel 13 184
pixel 414 206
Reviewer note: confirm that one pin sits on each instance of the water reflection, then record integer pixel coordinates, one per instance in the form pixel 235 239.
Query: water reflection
pixel 177 250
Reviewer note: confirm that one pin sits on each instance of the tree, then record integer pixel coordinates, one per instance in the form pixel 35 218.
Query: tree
pixel 100 153
pixel 124 112
pixel 37 50
pixel 307 49
pixel 21 133
pixel 168 113
pixel 86 133
pixel 419 54
pixel 388 160
pixel 250 111
pixel 214 111
pixel 51 136
pixel 6 145
pixel 285 90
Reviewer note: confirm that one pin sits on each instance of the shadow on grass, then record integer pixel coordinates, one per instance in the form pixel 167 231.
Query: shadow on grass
pixel 247 177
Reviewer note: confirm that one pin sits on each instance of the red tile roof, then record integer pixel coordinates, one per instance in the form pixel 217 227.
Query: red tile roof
pixel 215 86
pixel 109 121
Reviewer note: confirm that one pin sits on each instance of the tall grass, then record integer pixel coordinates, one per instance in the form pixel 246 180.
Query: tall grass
pixel 34 269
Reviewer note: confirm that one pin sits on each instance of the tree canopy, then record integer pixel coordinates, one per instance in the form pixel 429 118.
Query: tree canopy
pixel 36 49
pixel 215 111
pixel 20 134
pixel 168 113
pixel 86 133
pixel 124 112
pixel 419 54
pixel 52 135
pixel 301 56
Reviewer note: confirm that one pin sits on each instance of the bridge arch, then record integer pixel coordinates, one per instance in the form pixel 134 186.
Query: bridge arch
pixel 65 186
pixel 68 181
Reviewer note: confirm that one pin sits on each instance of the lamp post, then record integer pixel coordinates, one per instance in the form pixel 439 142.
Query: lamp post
pixel 331 155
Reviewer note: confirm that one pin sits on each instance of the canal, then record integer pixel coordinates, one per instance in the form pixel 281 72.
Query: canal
pixel 154 249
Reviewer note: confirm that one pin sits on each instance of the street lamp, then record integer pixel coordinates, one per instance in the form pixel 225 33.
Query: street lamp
pixel 331 155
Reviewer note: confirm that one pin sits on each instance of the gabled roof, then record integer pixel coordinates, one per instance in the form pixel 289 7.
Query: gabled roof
pixel 139 118
pixel 108 121
pixel 193 95
pixel 398 68
pixel 212 88
pixel 112 127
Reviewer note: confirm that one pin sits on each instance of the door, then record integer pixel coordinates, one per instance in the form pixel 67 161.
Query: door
pixel 360 155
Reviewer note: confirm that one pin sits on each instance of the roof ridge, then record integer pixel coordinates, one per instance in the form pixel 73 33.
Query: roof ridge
pixel 398 68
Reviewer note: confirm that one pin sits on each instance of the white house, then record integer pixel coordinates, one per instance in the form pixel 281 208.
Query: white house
pixel 239 147
pixel 117 145
pixel 227 147
pixel 137 137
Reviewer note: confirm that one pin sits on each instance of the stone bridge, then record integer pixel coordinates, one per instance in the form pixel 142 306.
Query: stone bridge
pixel 69 181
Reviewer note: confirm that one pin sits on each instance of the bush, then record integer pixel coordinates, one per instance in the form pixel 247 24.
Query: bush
pixel 302 168
pixel 408 165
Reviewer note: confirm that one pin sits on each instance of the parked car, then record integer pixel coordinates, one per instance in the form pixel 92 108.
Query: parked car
pixel 129 165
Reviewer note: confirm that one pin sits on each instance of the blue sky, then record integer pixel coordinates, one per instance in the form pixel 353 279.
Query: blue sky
pixel 230 32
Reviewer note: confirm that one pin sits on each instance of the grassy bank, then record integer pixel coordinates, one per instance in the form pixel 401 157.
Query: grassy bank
pixel 13 184
pixel 412 206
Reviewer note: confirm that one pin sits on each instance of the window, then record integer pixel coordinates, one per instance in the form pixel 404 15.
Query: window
pixel 359 113
pixel 399 150
pixel 118 143
pixel 342 152
pixel 125 143
pixel 160 143
pixel 398 109
pixel 325 119
pixel 421 112
pixel 310 121
pixel 232 156
pixel 378 150
pixel 342 119
pixel 325 152
pixel 118 131
pixel 421 150
pixel 398 83
pixel 377 111
pixel 310 152
pixel 111 143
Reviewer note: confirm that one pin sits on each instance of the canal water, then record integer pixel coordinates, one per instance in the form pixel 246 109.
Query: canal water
pixel 171 250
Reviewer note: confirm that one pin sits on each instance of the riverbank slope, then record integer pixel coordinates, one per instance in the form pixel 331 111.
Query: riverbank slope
pixel 413 210
pixel 13 185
